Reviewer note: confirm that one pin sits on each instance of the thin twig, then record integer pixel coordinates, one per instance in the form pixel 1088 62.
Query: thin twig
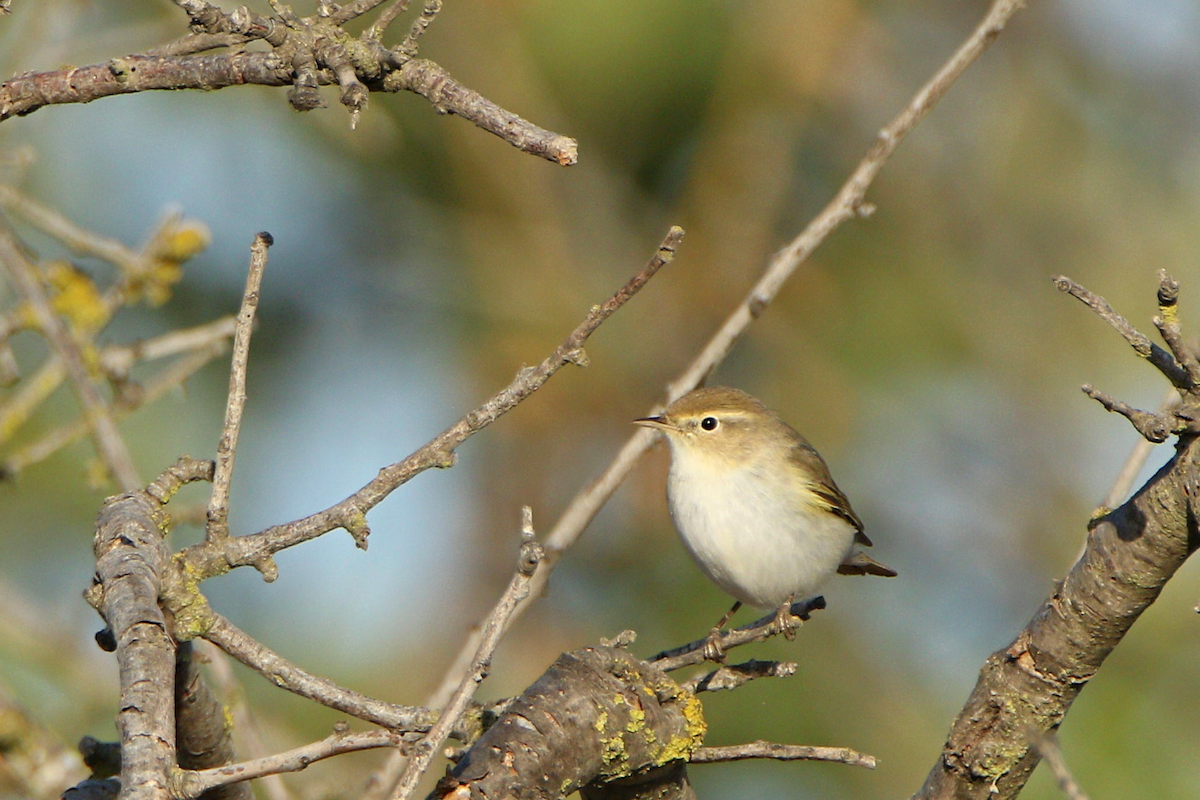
pixel 355 8
pixel 1154 428
pixel 386 17
pixel 170 378
pixel 428 13
pixel 1163 361
pixel 493 630
pixel 78 239
pixel 218 503
pixel 286 675
pixel 1137 459
pixel 762 628
pixel 1168 326
pixel 781 752
pixel 109 443
pixel 728 677
pixel 846 205
pixel 213 558
pixel 1051 753
pixel 197 782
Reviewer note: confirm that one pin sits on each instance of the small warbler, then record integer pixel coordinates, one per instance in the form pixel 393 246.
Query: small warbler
pixel 755 504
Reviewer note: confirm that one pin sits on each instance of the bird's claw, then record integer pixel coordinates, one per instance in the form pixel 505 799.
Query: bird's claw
pixel 712 650
pixel 785 622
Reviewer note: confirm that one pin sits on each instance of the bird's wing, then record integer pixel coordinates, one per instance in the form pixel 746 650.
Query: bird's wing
pixel 824 488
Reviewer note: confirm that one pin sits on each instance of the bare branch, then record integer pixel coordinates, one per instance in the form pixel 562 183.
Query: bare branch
pixel 342 741
pixel 1163 361
pixel 353 9
pixel 168 379
pixel 203 738
pixel 1136 460
pixel 387 17
pixel 109 443
pixel 1168 327
pixel 213 558
pixel 781 752
pixel 431 9
pixel 448 96
pixel 493 630
pixel 218 504
pixel 131 557
pixel 1153 427
pixel 286 675
pixel 1048 749
pixel 220 667
pixel 296 66
pixel 762 628
pixel 732 676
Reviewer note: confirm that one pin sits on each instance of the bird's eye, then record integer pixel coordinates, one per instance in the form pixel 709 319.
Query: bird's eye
pixel 709 423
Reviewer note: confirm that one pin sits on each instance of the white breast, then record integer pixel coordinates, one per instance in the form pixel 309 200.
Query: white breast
pixel 756 539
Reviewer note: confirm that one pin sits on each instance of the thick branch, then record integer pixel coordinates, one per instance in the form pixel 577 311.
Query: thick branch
pixel 130 559
pixel 597 714
pixel 1030 685
pixel 204 740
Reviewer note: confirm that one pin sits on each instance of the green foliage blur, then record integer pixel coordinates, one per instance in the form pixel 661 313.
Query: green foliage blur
pixel 421 262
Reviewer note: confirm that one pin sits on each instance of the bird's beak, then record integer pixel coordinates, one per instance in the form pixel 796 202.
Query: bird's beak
pixel 658 423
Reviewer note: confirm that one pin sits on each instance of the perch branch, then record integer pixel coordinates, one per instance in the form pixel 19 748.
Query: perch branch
pixel 757 631
pixel 781 752
pixel 424 750
pixel 218 503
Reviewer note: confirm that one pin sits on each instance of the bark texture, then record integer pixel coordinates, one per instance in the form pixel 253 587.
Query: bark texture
pixel 597 715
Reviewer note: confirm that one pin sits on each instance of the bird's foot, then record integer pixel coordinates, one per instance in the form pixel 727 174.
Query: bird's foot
pixel 785 622
pixel 712 650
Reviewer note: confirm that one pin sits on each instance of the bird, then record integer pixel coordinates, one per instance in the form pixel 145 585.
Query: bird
pixel 756 505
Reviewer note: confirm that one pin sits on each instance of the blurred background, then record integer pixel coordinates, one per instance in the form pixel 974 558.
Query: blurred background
pixel 420 262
